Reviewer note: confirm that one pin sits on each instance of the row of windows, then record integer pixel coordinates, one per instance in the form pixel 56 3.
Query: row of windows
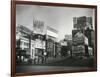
pixel 27 44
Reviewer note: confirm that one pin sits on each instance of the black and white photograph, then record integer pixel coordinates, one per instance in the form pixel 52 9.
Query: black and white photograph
pixel 53 38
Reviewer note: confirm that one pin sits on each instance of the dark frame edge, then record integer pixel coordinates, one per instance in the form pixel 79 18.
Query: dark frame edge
pixel 54 4
pixel 13 71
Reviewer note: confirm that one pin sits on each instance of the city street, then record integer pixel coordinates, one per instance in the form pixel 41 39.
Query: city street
pixel 66 64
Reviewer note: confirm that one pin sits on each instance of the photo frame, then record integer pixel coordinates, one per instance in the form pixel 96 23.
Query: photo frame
pixel 52 38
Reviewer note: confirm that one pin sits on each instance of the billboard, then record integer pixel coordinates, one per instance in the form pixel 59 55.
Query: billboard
pixel 78 37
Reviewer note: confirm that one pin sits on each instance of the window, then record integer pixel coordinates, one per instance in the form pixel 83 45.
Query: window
pixel 26 44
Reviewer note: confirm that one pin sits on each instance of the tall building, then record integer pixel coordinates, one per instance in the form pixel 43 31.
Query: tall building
pixel 51 39
pixel 38 27
pixel 79 22
pixel 82 35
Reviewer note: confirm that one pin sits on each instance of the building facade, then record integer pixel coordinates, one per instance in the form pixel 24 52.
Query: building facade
pixel 51 41
pixel 82 36
pixel 28 44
